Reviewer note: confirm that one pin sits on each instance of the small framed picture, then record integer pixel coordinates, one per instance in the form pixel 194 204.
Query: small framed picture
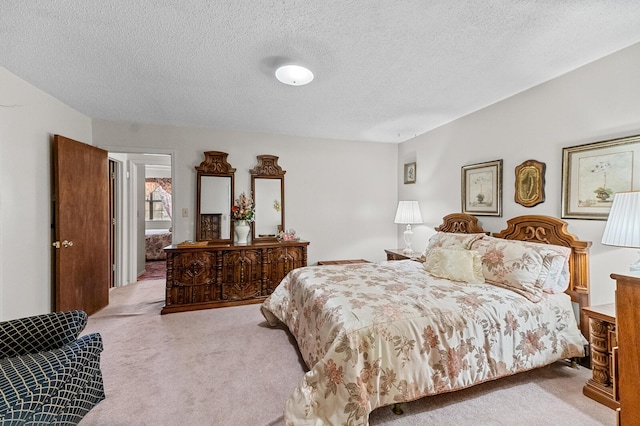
pixel 410 173
pixel 482 189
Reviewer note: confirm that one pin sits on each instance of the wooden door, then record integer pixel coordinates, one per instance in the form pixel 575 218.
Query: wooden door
pixel 81 222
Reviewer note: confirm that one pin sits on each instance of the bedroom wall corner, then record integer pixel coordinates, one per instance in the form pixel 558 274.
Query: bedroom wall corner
pixel 596 102
pixel 29 118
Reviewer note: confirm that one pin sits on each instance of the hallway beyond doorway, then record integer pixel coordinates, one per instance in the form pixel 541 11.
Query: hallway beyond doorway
pixel 154 270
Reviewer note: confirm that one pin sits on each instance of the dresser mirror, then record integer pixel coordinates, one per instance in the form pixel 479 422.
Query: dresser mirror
pixel 267 187
pixel 214 198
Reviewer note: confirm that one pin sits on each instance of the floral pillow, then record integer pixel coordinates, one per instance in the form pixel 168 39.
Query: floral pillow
pixel 524 267
pixel 453 240
pixel 454 264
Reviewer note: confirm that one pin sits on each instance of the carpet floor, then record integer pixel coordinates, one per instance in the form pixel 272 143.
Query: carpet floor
pixel 227 367
pixel 154 270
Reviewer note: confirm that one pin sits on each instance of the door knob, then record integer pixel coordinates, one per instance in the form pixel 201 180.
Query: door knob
pixel 65 244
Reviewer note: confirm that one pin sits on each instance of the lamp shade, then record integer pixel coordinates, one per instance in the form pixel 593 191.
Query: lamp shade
pixel 623 225
pixel 408 212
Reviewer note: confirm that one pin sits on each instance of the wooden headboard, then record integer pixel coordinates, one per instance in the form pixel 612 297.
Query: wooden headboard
pixel 461 223
pixel 539 229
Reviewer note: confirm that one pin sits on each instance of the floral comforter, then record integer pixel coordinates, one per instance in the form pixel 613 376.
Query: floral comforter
pixel 377 334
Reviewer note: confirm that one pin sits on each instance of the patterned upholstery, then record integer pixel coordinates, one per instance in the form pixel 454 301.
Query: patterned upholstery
pixel 48 376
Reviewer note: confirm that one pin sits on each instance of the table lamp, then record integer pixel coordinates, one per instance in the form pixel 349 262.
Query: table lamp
pixel 408 213
pixel 623 224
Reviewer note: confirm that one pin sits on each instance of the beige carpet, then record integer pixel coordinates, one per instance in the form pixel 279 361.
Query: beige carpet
pixel 227 367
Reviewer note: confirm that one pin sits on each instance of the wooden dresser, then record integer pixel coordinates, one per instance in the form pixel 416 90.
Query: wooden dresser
pixel 202 276
pixel 628 329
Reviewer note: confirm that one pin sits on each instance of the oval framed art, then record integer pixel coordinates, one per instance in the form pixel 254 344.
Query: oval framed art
pixel 530 183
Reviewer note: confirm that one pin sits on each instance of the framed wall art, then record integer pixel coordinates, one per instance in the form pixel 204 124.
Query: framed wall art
pixel 530 183
pixel 482 189
pixel 410 173
pixel 594 172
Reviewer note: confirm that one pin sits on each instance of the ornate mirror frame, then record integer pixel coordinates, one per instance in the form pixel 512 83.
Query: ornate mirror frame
pixel 269 207
pixel 210 226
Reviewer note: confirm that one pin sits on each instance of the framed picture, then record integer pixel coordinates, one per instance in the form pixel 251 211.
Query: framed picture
pixel 410 173
pixel 482 189
pixel 530 183
pixel 594 172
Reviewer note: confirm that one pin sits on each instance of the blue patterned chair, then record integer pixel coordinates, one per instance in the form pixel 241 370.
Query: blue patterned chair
pixel 48 376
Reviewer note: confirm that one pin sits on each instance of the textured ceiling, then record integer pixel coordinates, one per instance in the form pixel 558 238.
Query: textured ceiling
pixel 384 70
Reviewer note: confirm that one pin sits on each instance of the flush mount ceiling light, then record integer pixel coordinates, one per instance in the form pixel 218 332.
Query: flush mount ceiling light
pixel 294 75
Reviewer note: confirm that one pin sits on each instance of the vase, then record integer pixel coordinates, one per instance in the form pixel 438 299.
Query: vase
pixel 241 228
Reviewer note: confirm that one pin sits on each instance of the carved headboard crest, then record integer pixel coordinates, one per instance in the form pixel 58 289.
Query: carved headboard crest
pixel 460 223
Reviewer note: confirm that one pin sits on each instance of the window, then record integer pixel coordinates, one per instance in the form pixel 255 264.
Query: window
pixel 157 199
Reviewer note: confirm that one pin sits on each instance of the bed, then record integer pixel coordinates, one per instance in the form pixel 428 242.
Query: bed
pixel 374 335
pixel 155 240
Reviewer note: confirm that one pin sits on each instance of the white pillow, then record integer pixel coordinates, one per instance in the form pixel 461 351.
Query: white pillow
pixel 455 264
pixel 453 240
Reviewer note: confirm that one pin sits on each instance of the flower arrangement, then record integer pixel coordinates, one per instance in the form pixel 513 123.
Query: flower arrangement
pixel 289 235
pixel 243 208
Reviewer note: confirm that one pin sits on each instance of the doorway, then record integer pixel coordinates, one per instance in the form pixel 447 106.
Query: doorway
pixel 141 210
pixel 113 203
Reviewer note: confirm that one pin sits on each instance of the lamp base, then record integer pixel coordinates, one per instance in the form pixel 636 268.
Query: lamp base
pixel 408 236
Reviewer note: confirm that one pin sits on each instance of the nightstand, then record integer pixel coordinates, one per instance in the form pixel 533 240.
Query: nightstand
pixel 603 385
pixel 398 254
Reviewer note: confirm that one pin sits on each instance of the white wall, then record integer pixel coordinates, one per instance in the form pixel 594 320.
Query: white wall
pixel 28 120
pixel 138 177
pixel 339 195
pixel 597 102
